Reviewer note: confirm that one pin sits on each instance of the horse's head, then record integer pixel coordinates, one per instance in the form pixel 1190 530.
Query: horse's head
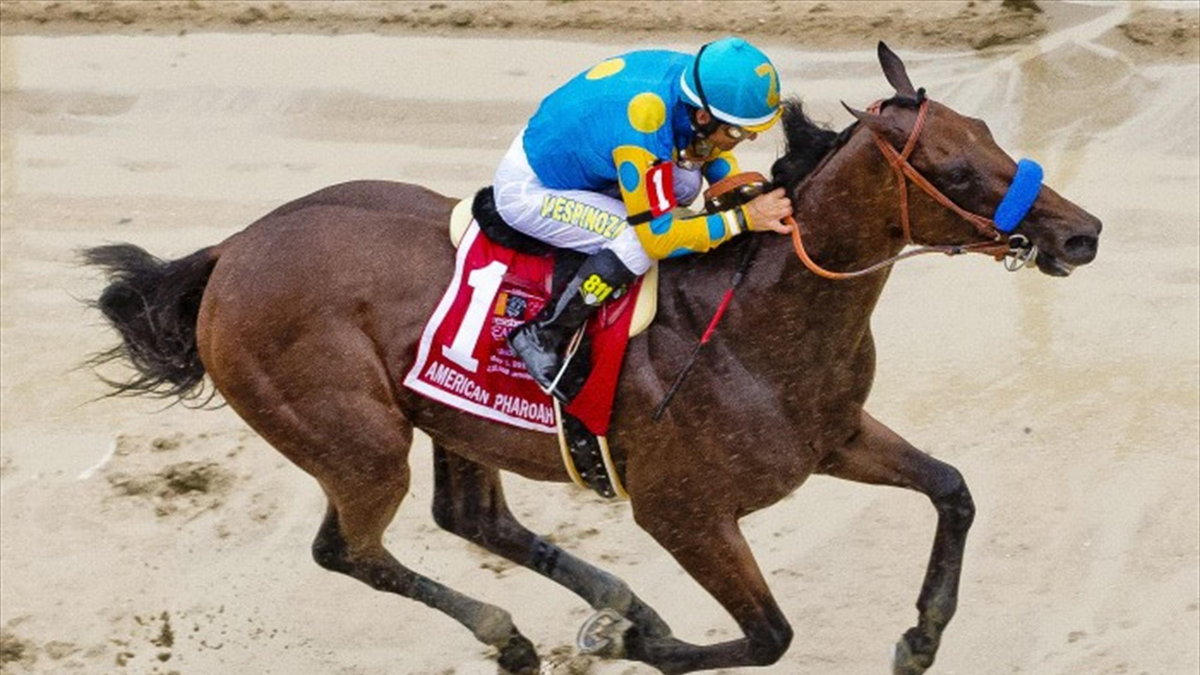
pixel 942 151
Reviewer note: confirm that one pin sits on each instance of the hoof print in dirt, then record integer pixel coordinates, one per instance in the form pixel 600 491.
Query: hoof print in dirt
pixel 184 487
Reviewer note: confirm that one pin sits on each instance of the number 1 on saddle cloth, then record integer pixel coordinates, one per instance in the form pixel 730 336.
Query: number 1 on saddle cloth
pixel 464 361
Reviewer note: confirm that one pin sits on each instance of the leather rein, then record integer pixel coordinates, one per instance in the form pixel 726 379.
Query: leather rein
pixel 745 186
pixel 1014 249
pixel 999 246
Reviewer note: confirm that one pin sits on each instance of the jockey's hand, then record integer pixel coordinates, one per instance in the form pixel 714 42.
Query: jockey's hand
pixel 768 210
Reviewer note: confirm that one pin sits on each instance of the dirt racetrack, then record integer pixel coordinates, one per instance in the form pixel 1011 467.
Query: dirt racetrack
pixel 140 540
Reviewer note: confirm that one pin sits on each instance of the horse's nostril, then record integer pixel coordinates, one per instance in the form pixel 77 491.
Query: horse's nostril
pixel 1081 249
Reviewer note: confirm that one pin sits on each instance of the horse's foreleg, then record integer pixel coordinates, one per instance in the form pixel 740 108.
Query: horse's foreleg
pixel 879 456
pixel 715 554
pixel 468 500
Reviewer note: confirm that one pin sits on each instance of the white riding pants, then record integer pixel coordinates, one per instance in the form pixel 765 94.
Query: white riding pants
pixel 582 220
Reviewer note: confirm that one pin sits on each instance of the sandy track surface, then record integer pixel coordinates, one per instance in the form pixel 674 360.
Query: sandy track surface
pixel 1157 30
pixel 140 540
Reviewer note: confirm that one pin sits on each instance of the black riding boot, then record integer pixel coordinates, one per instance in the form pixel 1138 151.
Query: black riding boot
pixel 540 342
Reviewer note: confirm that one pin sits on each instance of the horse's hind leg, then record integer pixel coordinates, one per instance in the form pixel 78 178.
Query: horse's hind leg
pixel 373 565
pixel 879 456
pixel 468 500
pixel 354 440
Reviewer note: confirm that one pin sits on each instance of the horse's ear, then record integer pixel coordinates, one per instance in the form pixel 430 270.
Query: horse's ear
pixel 858 114
pixel 894 71
pixel 877 123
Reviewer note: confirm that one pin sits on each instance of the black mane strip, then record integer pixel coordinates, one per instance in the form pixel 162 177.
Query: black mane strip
pixel 808 143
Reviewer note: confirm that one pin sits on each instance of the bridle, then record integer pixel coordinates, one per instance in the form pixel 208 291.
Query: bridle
pixel 1014 249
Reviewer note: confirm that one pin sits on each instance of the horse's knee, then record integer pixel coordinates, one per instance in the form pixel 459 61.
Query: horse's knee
pixel 954 500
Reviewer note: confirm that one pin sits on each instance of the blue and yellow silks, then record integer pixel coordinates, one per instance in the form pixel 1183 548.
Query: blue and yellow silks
pixel 609 125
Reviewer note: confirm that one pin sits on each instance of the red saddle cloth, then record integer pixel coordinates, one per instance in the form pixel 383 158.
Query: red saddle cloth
pixel 464 361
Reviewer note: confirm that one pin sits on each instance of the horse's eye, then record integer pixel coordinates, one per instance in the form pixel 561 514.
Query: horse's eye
pixel 960 176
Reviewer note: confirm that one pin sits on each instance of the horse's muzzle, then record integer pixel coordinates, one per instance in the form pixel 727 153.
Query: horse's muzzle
pixel 1074 243
pixel 1081 248
pixel 1053 266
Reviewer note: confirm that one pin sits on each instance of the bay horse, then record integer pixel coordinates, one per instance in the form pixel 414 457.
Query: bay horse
pixel 306 321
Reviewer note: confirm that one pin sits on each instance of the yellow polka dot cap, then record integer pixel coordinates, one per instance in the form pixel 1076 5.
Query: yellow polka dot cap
pixel 734 81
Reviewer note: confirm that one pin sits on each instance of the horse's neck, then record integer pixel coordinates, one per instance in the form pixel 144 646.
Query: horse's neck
pixel 847 210
pixel 786 318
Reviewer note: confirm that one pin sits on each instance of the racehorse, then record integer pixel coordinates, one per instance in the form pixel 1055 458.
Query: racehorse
pixel 307 320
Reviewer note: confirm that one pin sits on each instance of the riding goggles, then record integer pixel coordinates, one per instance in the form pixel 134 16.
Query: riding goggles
pixel 735 132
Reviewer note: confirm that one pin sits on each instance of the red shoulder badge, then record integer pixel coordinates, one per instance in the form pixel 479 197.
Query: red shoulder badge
pixel 660 185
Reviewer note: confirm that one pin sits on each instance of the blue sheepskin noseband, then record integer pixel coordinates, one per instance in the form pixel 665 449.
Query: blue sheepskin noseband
pixel 1020 196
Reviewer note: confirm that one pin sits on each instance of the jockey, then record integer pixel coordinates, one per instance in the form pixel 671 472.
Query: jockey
pixel 607 157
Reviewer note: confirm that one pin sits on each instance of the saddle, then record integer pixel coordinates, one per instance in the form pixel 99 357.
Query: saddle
pixel 503 278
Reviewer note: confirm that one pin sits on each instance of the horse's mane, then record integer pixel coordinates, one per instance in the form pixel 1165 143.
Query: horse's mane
pixel 808 143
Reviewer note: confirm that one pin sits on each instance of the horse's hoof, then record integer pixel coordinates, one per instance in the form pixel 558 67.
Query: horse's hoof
pixel 908 661
pixel 603 634
pixel 519 657
pixel 902 660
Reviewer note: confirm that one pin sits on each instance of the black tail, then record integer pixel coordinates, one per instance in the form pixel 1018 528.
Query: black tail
pixel 153 304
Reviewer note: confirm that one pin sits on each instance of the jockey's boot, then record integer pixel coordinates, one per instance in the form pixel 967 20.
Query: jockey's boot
pixel 541 341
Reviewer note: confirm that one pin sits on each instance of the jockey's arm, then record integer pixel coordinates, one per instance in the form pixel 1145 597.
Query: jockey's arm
pixel 720 167
pixel 666 235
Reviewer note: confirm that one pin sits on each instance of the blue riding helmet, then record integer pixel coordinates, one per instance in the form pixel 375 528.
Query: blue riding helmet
pixel 737 84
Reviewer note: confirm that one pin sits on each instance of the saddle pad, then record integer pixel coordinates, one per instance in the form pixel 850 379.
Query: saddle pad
pixel 464 361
